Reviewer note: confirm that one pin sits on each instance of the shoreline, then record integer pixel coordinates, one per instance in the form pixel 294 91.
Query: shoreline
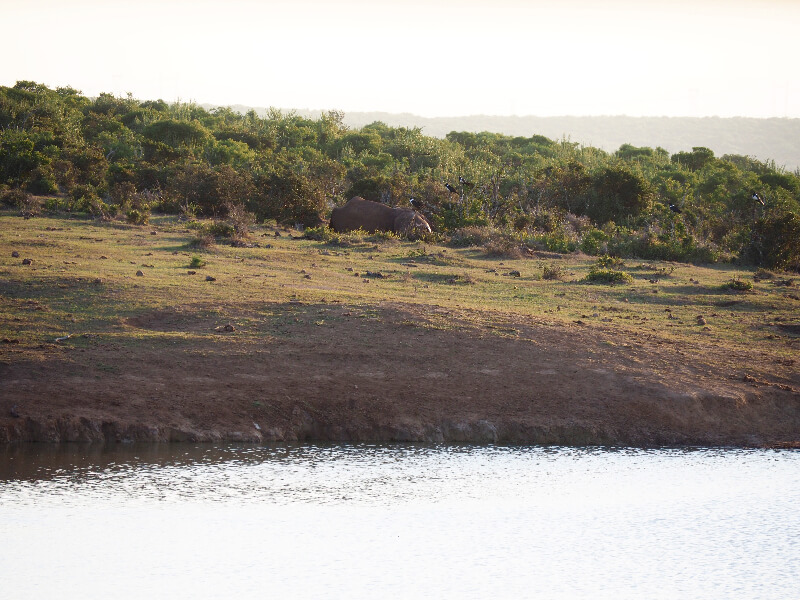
pixel 389 379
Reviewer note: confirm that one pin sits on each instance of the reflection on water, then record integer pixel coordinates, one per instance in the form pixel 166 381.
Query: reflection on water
pixel 397 521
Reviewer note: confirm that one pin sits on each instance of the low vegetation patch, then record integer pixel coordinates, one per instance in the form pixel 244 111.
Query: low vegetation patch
pixel 598 274
pixel 553 272
pixel 737 285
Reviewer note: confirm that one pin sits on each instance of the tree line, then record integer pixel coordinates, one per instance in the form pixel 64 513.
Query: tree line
pixel 120 157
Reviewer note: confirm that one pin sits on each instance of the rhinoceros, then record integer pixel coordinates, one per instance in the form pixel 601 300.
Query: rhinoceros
pixel 374 216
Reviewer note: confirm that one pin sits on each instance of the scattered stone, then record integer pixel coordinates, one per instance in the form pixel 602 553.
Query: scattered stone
pixel 103 257
pixel 97 280
pixel 10 341
pixel 514 274
pixel 15 254
pixel 257 426
pixel 277 234
pixel 63 338
pixel 139 274
pixel 27 261
pixel 349 269
pixel 210 278
pixel 307 276
pixel 229 328
pixel 701 320
pixel 153 233
pixel 191 272
pixel 14 412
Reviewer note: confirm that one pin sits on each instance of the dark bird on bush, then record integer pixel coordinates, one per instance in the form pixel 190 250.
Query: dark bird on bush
pixel 757 198
pixel 450 188
pixel 463 181
pixel 675 209
pixel 418 204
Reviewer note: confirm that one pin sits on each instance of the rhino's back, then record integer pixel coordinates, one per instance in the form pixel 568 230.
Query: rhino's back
pixel 364 214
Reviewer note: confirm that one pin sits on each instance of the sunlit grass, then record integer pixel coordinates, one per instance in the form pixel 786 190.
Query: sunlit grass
pixel 83 281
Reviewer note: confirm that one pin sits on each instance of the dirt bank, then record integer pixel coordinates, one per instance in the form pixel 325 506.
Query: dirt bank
pixel 400 373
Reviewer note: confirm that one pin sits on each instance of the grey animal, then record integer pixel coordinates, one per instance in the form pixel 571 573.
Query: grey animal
pixel 374 216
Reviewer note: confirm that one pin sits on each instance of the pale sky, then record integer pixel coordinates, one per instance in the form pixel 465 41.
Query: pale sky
pixel 428 57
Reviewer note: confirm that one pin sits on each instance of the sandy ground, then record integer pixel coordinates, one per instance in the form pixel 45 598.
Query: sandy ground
pixel 400 373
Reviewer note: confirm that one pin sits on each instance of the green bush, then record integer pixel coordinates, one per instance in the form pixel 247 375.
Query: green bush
pixel 137 217
pixel 326 235
pixel 610 262
pixel 594 242
pixel 553 272
pixel 600 275
pixel 737 285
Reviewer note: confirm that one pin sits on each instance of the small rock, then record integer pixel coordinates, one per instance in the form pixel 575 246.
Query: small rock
pixel 210 278
pixel 27 261
pixel 153 233
pixel 514 274
pixel 701 320
pixel 15 254
pixel 103 257
pixel 191 272
pixel 139 274
pixel 14 412
pixel 97 280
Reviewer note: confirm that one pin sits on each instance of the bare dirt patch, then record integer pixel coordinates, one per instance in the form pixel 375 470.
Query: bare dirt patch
pixel 399 372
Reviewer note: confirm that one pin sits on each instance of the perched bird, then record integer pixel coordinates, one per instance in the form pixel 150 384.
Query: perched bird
pixel 675 209
pixel 463 181
pixel 757 198
pixel 416 203
pixel 450 188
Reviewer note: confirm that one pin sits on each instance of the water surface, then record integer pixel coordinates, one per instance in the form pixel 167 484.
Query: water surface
pixel 398 521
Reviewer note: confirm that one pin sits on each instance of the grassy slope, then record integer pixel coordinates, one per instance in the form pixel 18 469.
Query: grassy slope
pixel 83 282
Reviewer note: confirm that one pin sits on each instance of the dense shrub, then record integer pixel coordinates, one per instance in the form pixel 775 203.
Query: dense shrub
pixel 600 275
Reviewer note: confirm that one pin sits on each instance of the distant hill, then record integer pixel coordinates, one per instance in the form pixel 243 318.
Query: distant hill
pixel 764 139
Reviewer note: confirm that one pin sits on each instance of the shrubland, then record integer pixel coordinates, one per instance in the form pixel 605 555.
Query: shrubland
pixel 122 160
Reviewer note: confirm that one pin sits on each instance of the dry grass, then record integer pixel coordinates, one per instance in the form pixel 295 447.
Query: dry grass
pixel 82 280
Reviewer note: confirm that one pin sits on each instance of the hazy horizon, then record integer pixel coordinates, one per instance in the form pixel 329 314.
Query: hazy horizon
pixel 432 58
